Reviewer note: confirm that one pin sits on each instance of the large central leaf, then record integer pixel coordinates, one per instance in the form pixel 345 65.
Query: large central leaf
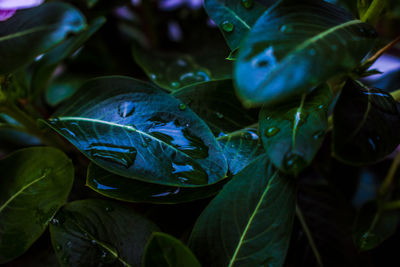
pixel 295 46
pixel 135 130
pixel 249 223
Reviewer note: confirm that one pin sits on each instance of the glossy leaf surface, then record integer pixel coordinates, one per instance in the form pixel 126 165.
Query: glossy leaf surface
pixel 125 189
pixel 216 103
pixel 293 132
pixel 163 250
pixel 296 46
pixel 98 232
pixel 45 67
pixel 31 32
pixel 135 130
pixel 34 184
pixel 373 226
pixel 249 222
pixel 240 148
pixel 235 17
pixel 365 124
pixel 172 71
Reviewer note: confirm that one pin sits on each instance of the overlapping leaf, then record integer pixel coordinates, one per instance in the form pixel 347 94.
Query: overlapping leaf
pixel 241 148
pixel 98 232
pixel 249 222
pixel 235 17
pixel 297 45
pixel 365 124
pixel 292 133
pixel 34 31
pixel 216 103
pixel 135 130
pixel 163 250
pixel 172 71
pixel 122 188
pixel 34 184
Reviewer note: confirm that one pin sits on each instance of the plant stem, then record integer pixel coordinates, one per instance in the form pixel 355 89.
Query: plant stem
pixel 31 127
pixel 392 205
pixel 374 10
pixel 307 231
pixel 389 177
pixel 381 51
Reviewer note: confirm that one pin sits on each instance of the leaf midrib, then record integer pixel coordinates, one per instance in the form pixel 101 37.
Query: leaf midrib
pixel 230 11
pixel 27 32
pixel 254 213
pixel 124 127
pixel 309 42
pixel 19 192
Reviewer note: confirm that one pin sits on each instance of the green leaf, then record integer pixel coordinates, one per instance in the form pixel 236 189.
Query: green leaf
pixel 373 226
pixel 98 232
pixel 240 148
pixel 174 70
pixel 164 250
pixel 34 184
pixel 135 130
pixel 365 124
pixel 34 31
pixel 293 132
pixel 125 189
pixel 235 17
pixel 216 103
pixel 296 46
pixel 249 222
pixel 63 87
pixel 45 67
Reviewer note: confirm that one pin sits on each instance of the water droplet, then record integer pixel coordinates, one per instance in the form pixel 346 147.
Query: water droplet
pixel 194 77
pixel 268 118
pixel 286 29
pixel 126 109
pixel 144 144
pixel 182 106
pixel 271 131
pixel 187 125
pixel 319 134
pixel 320 106
pixel 122 155
pixel 251 135
pixel 58 247
pixel 293 162
pixel 368 240
pixel 153 76
pixel 69 244
pixel 227 26
pixel 312 52
pixel 247 3
pixel 189 170
pixel 57 221
pixel 219 115
pixel 93 242
pixel 175 85
pixel 107 257
pixel 109 209
pixel 55 120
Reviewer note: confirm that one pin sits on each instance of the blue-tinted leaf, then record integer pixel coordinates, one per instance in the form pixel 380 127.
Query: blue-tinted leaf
pixel 34 31
pixel 135 130
pixel 249 222
pixel 295 46
pixel 293 132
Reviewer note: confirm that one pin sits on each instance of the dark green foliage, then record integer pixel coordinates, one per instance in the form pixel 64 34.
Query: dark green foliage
pixel 199 133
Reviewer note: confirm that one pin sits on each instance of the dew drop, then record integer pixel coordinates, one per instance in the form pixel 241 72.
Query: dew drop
pixel 109 209
pixel 93 242
pixel 227 26
pixel 153 76
pixel 319 134
pixel 126 109
pixel 182 106
pixel 247 3
pixel 122 155
pixel 107 257
pixel 175 84
pixel 271 131
pixel 320 106
pixel 286 29
pixel 293 161
pixel 219 115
